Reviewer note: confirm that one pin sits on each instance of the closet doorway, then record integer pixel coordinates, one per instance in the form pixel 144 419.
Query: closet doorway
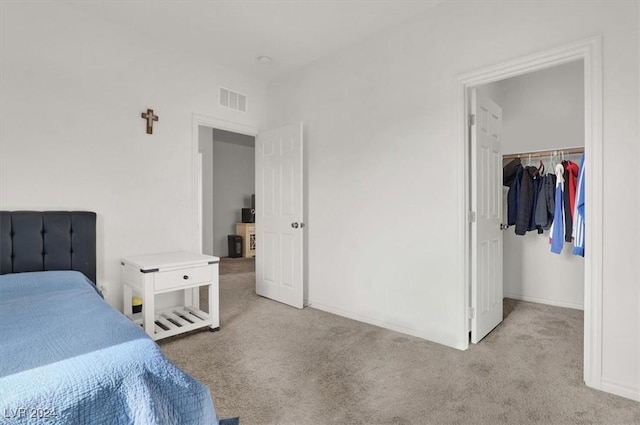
pixel 586 277
pixel 528 124
pixel 542 125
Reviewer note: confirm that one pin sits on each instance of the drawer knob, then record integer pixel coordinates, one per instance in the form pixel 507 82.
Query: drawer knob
pixel 185 277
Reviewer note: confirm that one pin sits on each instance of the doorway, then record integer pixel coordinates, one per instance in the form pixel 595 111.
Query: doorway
pixel 202 127
pixel 528 124
pixel 543 123
pixel 228 188
pixel 589 51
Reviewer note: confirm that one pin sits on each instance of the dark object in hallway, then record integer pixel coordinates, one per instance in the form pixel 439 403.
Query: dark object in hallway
pixel 235 246
pixel 248 215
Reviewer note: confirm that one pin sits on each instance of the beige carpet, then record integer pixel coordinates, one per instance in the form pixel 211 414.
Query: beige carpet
pixel 237 265
pixel 272 364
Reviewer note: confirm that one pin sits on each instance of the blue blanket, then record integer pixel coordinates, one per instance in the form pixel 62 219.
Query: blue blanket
pixel 67 357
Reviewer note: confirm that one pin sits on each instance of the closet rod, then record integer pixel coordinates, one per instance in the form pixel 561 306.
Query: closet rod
pixel 540 154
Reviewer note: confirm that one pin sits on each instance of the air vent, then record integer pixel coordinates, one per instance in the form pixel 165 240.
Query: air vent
pixel 233 100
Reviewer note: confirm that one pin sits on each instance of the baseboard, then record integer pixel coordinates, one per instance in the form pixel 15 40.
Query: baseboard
pixel 381 324
pixel 620 389
pixel 557 303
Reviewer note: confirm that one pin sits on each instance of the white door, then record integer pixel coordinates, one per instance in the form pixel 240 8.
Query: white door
pixel 279 227
pixel 486 205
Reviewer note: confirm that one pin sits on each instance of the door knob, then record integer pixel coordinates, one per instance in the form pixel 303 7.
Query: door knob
pixel 294 225
pixel 504 226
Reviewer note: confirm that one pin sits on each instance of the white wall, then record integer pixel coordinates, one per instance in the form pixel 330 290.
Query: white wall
pixel 381 139
pixel 233 184
pixel 73 87
pixel 542 110
pixel 205 146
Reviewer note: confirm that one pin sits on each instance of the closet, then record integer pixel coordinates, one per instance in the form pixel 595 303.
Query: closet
pixel 543 121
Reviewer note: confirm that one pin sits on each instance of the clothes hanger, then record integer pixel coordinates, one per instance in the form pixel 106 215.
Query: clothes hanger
pixel 553 160
pixel 540 171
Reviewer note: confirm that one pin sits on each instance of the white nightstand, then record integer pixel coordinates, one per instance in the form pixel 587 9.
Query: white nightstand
pixel 148 275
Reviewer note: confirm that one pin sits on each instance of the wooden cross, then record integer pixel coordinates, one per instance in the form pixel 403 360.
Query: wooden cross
pixel 150 119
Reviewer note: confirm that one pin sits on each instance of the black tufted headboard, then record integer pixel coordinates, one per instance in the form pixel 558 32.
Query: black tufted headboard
pixel 48 240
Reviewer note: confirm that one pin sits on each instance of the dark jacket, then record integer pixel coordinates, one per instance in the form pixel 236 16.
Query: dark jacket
pixel 509 172
pixel 511 177
pixel 537 186
pixel 525 201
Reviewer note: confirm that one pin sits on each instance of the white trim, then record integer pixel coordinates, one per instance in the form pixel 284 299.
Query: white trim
pixel 620 389
pixel 199 241
pixel 547 301
pixel 219 124
pixel 590 51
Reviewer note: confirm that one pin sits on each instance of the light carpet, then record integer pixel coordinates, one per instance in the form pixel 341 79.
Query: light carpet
pixel 273 364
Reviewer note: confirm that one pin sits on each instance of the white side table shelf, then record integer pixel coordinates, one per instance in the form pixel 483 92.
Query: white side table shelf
pixel 148 275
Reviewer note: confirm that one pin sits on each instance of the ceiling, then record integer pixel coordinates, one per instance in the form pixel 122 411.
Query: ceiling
pixel 236 33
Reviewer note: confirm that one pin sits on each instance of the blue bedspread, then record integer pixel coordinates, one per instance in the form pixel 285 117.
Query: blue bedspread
pixel 67 357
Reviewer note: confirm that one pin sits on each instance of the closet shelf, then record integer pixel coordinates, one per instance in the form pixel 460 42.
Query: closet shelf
pixel 540 154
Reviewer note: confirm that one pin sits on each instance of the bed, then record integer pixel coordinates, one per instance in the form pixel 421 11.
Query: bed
pixel 66 356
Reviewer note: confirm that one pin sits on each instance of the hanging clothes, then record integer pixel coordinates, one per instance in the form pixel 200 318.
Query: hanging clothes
pixel 511 177
pixel 525 202
pixel 557 231
pixel 553 202
pixel 537 187
pixel 546 202
pixel 573 171
pixel 570 184
pixel 578 227
pixel 568 222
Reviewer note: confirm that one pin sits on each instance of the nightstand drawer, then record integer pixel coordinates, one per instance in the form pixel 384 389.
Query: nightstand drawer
pixel 182 278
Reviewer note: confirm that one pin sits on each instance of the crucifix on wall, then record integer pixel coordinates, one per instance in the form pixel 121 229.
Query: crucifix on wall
pixel 150 119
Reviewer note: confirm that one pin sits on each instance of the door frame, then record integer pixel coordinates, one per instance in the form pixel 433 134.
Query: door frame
pixel 198 120
pixel 590 52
